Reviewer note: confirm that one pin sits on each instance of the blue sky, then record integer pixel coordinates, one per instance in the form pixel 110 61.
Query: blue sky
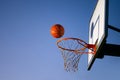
pixel 29 52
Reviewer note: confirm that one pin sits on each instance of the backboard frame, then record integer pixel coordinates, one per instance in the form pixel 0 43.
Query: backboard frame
pixel 94 25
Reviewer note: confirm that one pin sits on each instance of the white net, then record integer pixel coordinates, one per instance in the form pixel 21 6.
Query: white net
pixel 71 52
pixel 71 60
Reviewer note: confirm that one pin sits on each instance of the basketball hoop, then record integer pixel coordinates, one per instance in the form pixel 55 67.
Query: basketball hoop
pixel 72 49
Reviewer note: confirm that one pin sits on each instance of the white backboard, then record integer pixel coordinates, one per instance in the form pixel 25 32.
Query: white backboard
pixel 98 28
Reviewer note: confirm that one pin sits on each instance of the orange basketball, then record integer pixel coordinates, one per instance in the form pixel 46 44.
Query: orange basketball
pixel 57 31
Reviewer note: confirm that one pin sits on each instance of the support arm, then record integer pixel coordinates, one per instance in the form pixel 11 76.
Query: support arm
pixel 114 28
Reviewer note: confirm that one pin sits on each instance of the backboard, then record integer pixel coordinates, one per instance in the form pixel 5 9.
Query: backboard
pixel 98 29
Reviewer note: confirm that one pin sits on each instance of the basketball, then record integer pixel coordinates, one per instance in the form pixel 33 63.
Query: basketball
pixel 57 31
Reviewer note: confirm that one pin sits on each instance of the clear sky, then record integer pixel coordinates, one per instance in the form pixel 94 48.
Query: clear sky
pixel 29 52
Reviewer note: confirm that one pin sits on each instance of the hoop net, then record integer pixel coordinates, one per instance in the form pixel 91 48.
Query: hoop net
pixel 72 49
